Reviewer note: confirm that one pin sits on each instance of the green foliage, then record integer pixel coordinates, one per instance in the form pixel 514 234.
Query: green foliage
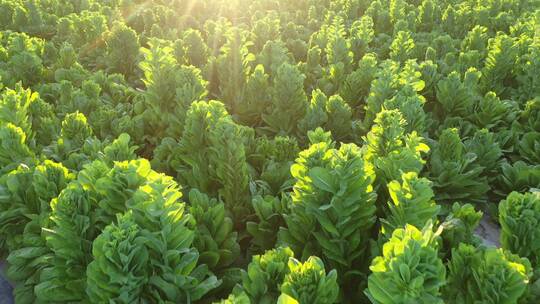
pixel 122 49
pixel 148 256
pixel 21 59
pixel 288 101
pixel 455 172
pixel 519 215
pixel 500 60
pixel 528 147
pixel 332 114
pixel 211 137
pixel 15 108
pixel 390 151
pixel 92 92
pixel 269 211
pixel 272 159
pixel 332 207
pixel 13 147
pixel 409 269
pixel 257 97
pixel 308 282
pixel 76 145
pixel 457 97
pixel 25 194
pixel 518 177
pixel 192 49
pixel 231 68
pixel 86 206
pixel 355 87
pixel 478 275
pixel 265 274
pixel 530 117
pixel 459 227
pixel 402 47
pixel 170 90
pixel 215 239
pixel 488 152
pixel 412 203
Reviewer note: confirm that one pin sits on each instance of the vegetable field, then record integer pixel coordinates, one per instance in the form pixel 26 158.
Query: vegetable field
pixel 270 151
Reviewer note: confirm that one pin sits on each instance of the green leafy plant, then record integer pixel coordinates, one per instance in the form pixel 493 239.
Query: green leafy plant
pixel 332 114
pixel 412 203
pixel 459 227
pixel 211 137
pixel 161 264
pixel 79 214
pixel 391 151
pixel 519 215
pixel 486 275
pixel 308 282
pixel 332 208
pixel 265 274
pixel 409 269
pixel 289 101
pixel 455 172
pixel 214 236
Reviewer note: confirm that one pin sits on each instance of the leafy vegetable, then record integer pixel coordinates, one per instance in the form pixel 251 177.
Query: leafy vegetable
pixel 486 275
pixel 408 270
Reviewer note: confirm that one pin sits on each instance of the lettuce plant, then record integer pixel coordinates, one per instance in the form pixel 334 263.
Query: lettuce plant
pixel 214 236
pixel 519 177
pixel 211 157
pixel 332 114
pixel 390 151
pixel 485 275
pixel 455 172
pixel 265 274
pixel 409 270
pixel 519 216
pixel 276 275
pixel 459 226
pixel 76 145
pixel 79 214
pixel 332 207
pixel 271 159
pixel 309 283
pixel 411 203
pixel 14 149
pixel 269 211
pixel 148 256
pixel 289 101
pixel 25 194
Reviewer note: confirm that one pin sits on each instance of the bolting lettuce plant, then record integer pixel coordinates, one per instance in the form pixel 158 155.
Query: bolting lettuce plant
pixel 308 282
pixel 25 194
pixel 332 114
pixel 459 226
pixel 149 255
pixel 411 203
pixel 269 211
pixel 409 270
pixel 277 275
pixel 265 274
pixel 391 152
pixel 14 148
pixel 215 238
pixel 289 101
pixel 455 172
pixel 332 209
pixel 88 205
pixel 519 177
pixel 519 216
pixel 211 157
pixel 485 275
